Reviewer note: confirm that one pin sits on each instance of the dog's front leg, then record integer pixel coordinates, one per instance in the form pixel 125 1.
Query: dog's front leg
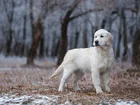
pixel 106 78
pixel 96 81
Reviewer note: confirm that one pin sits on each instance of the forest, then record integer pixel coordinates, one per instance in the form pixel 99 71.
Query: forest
pixel 48 28
pixel 36 30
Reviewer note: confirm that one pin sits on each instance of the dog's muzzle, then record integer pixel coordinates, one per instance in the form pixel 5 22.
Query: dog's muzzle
pixel 96 43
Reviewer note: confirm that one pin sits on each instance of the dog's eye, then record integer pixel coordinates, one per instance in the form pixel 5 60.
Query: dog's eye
pixel 95 36
pixel 102 36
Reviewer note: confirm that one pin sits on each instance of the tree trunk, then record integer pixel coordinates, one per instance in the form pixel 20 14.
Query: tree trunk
pixel 125 57
pixel 31 17
pixel 85 43
pixel 24 46
pixel 10 16
pixel 63 42
pixel 119 40
pixel 9 42
pixel 55 44
pixel 41 52
pixel 103 23
pixel 35 42
pixel 136 49
pixel 76 39
pixel 23 53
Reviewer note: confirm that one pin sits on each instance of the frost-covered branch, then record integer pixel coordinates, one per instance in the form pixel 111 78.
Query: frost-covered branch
pixel 84 13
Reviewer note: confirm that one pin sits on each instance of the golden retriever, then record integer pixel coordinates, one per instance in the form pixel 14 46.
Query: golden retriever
pixel 97 60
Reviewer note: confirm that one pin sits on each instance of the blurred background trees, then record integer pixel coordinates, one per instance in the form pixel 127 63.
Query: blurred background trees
pixel 48 28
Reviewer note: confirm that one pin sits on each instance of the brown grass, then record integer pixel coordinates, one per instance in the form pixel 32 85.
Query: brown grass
pixel 124 85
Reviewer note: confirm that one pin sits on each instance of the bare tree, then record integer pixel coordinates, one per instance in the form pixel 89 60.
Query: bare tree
pixel 63 41
pixel 85 43
pixel 24 46
pixel 67 18
pixel 76 38
pixel 136 48
pixel 41 52
pixel 37 27
pixel 10 17
pixel 136 42
pixel 125 42
pixel 36 38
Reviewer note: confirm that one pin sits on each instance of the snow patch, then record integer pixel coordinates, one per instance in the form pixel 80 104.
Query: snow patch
pixel 47 100
pixel 121 102
pixel 28 100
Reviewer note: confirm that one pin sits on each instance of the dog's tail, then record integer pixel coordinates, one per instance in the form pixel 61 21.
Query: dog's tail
pixel 58 71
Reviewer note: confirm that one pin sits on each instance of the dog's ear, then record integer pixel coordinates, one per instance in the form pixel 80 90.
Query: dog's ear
pixel 109 39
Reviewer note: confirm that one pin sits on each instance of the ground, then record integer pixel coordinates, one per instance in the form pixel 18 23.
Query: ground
pixel 21 84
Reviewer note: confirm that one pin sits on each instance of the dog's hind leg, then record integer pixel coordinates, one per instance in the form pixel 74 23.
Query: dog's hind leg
pixel 102 80
pixel 66 74
pixel 77 76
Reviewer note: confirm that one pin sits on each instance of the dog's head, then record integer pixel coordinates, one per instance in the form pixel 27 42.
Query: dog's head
pixel 102 38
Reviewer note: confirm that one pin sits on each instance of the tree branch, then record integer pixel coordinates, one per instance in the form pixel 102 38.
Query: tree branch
pixel 131 9
pixel 84 13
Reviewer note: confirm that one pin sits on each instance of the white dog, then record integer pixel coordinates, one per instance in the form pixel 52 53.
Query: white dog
pixel 97 60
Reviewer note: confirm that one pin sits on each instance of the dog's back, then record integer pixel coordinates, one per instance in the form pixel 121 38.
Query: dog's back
pixel 79 58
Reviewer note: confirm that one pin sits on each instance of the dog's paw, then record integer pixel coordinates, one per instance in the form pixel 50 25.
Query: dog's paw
pixel 107 89
pixel 60 90
pixel 99 91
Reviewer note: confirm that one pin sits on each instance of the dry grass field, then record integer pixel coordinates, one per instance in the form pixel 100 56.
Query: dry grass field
pixel 34 80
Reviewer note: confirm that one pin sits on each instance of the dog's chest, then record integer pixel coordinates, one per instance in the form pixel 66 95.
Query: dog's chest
pixel 103 63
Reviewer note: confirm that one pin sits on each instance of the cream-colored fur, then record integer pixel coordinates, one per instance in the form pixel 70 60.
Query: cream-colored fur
pixel 97 60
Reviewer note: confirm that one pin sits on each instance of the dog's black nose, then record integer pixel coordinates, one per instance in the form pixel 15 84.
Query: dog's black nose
pixel 96 42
